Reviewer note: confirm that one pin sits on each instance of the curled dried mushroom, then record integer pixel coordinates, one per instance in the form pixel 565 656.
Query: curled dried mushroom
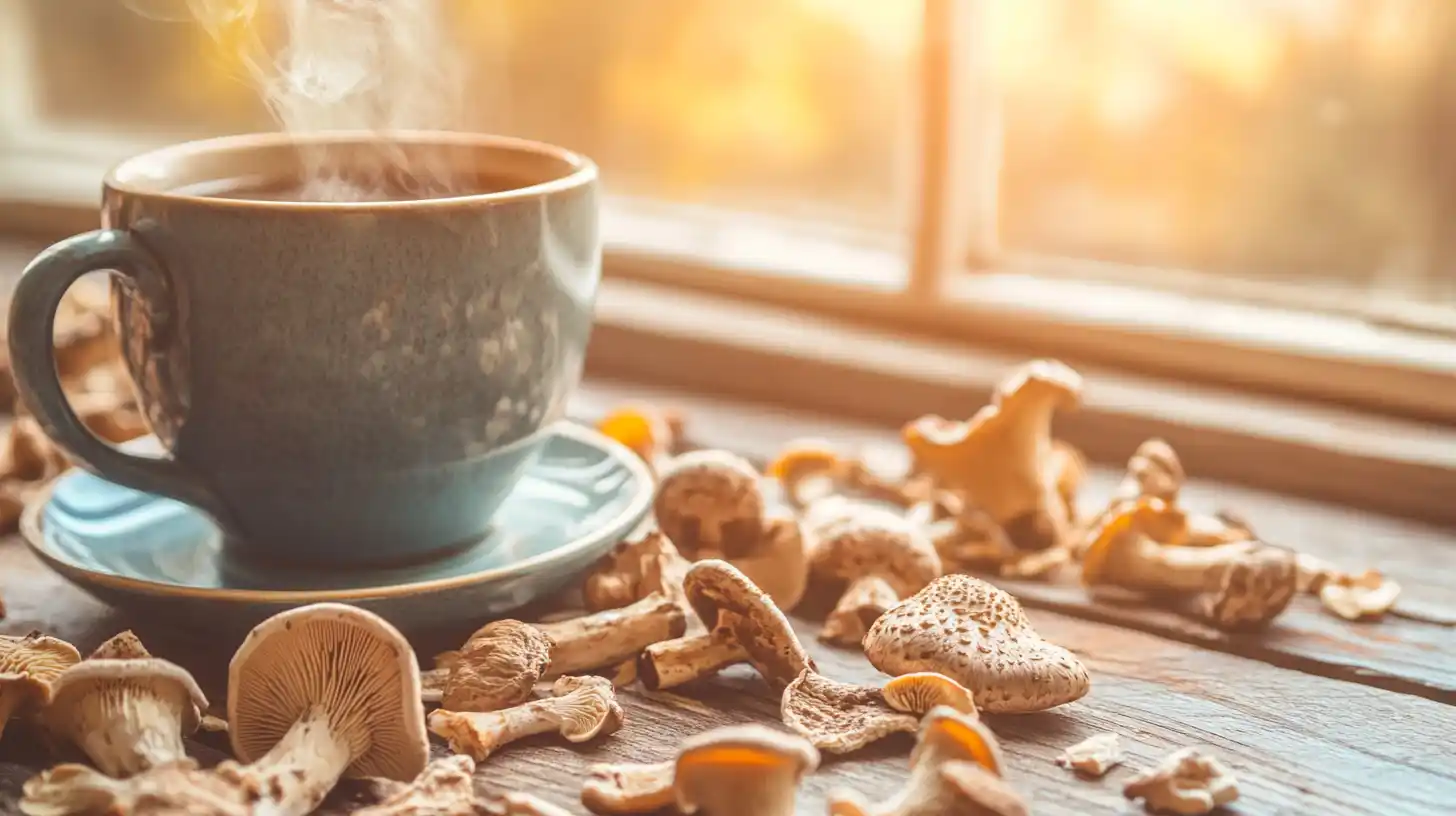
pixel 743 626
pixel 1188 782
pixel 954 769
pixel 811 470
pixel 629 787
pixel 977 635
pixel 1356 597
pixel 877 556
pixel 580 708
pixel 28 667
pixel 1003 458
pixel 1239 585
pixel 1093 756
pixel 498 667
pixel 317 693
pixel 842 717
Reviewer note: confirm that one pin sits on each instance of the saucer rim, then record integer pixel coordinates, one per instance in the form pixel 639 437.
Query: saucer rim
pixel 622 525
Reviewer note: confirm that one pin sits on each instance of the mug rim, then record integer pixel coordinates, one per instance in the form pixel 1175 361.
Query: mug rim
pixel 129 176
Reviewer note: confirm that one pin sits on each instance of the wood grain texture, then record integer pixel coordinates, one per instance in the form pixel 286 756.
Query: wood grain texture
pixel 1299 743
pixel 1410 656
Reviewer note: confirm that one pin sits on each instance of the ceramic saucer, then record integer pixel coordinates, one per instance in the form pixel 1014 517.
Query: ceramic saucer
pixel 155 556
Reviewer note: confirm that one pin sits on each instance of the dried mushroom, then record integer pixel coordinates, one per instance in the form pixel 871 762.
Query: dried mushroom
pixel 317 693
pixel 28 666
pixel 710 505
pixel 498 667
pixel 1003 458
pixel 174 790
pixel 1093 756
pixel 977 635
pixel 840 717
pixel 128 715
pixel 743 625
pixel 1356 597
pixel 877 555
pixel 920 692
pixel 1188 783
pixel 445 787
pixel 810 470
pixel 611 636
pixel 942 782
pixel 779 562
pixel 633 570
pixel 649 432
pixel 742 769
pixel 579 709
pixel 120 646
pixel 1233 586
pixel 629 787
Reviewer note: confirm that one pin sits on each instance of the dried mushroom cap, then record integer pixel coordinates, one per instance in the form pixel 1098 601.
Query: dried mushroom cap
pixel 709 503
pixel 717 589
pixel 840 717
pixel 1093 756
pixel 321 692
pixel 633 570
pixel 977 635
pixel 121 646
pixel 1003 457
pixel 946 737
pixel 498 668
pixel 127 715
pixel 28 665
pixel 629 787
pixel 980 792
pixel 580 708
pixel 445 787
pixel 1353 597
pixel 1187 782
pixel 883 558
pixel 177 790
pixel 920 692
pixel 742 769
pixel 780 564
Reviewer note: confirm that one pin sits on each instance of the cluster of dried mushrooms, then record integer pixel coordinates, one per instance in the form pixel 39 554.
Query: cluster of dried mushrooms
pixel 328 691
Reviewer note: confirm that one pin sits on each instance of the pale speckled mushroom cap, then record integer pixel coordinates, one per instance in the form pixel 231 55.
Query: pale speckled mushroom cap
pixel 710 500
pixel 869 540
pixel 715 587
pixel 977 635
pixel 840 717
pixel 349 662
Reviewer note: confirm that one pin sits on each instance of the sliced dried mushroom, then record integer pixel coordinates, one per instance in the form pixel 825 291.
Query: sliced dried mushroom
pixel 651 433
pixel 176 790
pixel 977 635
pixel 879 555
pixel 1093 756
pixel 579 709
pixel 128 715
pixel 28 666
pixel 742 769
pixel 710 505
pixel 498 667
pixel 1234 586
pixel 1357 597
pixel 1188 782
pixel 938 785
pixel 633 570
pixel 629 787
pixel 445 787
pixel 743 624
pixel 317 693
pixel 1002 459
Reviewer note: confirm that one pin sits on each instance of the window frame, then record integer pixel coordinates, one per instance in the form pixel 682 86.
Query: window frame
pixel 1400 365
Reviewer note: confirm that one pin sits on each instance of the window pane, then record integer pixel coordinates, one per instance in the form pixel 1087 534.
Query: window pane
pixel 1286 140
pixel 793 107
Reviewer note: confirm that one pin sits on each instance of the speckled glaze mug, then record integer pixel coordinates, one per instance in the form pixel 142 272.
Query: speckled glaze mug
pixel 339 383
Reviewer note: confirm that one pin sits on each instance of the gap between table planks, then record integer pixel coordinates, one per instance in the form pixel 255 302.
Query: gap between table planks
pixel 1298 743
pixel 1401 654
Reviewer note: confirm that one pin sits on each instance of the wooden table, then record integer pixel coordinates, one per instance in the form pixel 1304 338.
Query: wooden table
pixel 1316 716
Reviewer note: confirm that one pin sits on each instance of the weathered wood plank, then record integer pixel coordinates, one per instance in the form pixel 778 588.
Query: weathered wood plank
pixel 1411 656
pixel 1299 743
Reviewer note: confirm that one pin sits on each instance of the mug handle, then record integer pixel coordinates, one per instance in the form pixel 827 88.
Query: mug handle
pixel 32 351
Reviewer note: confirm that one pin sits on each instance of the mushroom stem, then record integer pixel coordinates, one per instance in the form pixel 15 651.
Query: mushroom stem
pixel 580 708
pixel 10 699
pixel 763 786
pixel 675 662
pixel 128 730
pixel 866 599
pixel 1152 566
pixel 611 636
pixel 297 773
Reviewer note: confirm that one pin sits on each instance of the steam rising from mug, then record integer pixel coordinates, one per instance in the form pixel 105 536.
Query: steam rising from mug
pixel 371 65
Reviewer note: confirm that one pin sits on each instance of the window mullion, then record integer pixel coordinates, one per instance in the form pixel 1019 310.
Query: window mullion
pixel 960 143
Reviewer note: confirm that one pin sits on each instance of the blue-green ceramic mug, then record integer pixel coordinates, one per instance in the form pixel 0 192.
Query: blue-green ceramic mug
pixel 347 381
